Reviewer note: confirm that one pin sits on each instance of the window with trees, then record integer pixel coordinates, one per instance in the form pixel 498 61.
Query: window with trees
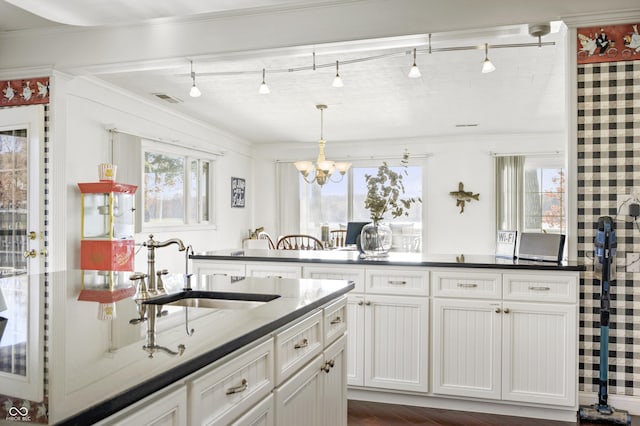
pixel 545 196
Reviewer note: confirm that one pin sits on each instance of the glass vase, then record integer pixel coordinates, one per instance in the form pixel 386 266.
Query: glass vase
pixel 375 239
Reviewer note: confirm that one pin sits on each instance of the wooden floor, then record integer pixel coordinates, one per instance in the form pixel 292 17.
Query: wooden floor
pixel 363 413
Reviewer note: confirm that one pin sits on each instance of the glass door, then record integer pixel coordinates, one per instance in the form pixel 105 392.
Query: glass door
pixel 21 252
pixel 21 236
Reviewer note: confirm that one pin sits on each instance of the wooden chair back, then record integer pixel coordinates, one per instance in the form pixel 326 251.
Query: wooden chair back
pixel 337 237
pixel 299 242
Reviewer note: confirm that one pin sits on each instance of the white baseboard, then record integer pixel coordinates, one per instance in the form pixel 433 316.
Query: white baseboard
pixel 619 402
pixel 566 414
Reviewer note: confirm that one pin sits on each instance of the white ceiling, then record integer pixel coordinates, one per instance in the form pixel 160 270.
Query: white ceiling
pixel 524 95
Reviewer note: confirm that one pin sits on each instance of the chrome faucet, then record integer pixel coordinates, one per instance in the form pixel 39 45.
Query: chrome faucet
pixel 151 246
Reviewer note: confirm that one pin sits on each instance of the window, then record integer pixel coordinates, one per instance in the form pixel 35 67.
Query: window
pixel 338 203
pixel 176 186
pixel 545 199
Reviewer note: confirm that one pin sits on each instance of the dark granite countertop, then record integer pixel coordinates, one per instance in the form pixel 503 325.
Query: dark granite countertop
pixel 94 367
pixel 348 257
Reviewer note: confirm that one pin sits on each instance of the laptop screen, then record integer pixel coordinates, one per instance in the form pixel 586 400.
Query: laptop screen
pixel 353 230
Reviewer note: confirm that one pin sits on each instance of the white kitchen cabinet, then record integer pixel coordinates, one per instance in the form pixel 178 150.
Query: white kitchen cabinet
pixel 219 396
pixel 508 349
pixel 236 269
pixel 299 399
pixel 355 339
pixel 263 414
pixel 396 337
pixel 351 273
pixel 467 348
pixel 164 408
pixel 539 353
pixel 317 394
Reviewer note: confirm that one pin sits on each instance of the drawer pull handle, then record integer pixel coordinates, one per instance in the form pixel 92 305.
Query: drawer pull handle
pixel 221 274
pixel 397 282
pixel 534 288
pixel 336 320
pixel 304 344
pixel 240 388
pixel 274 276
pixel 465 285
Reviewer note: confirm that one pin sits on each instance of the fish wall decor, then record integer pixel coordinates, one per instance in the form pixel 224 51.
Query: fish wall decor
pixel 463 197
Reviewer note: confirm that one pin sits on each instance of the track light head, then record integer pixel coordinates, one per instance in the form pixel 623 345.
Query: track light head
pixel 414 72
pixel 487 65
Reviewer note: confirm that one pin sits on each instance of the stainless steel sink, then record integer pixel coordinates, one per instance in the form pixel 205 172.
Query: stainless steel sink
pixel 213 299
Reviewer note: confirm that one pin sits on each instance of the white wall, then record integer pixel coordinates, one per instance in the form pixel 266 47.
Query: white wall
pixel 84 107
pixel 450 160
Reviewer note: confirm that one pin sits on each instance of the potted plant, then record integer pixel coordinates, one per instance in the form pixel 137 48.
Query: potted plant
pixel 384 190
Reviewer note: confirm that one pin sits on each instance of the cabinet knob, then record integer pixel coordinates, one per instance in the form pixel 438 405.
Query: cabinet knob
pixel 506 310
pixel 360 303
pixel 30 253
pixel 368 303
pixel 325 367
pixel 498 310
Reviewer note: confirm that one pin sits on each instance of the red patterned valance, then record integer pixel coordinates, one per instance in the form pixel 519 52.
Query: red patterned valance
pixel 28 91
pixel 610 43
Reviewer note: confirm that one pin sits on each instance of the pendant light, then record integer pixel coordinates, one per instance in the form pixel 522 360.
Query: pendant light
pixel 337 82
pixel 414 72
pixel 263 89
pixel 487 65
pixel 194 92
pixel 323 169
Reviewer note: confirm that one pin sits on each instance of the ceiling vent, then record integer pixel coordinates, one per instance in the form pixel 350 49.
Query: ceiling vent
pixel 467 125
pixel 168 98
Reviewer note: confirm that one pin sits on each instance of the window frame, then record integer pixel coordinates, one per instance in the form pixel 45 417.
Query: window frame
pixel 188 155
pixel 546 162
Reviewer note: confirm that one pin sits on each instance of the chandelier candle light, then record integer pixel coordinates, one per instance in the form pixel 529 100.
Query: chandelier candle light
pixel 323 169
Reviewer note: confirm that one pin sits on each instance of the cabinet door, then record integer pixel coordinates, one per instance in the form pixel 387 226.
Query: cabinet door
pixel 262 414
pixel 299 399
pixel 355 340
pixel 334 409
pixel 466 347
pixel 396 338
pixel 539 353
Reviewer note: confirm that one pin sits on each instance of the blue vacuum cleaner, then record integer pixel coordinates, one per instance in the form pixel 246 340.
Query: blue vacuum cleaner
pixel 605 255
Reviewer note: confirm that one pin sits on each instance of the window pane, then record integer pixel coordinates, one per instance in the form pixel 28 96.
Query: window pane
pixel 326 204
pixel 193 192
pixel 545 200
pixel 204 192
pixel 163 188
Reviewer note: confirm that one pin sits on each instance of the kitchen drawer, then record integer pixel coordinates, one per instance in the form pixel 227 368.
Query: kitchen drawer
pixel 335 320
pixel 397 281
pixel 270 270
pixel 541 287
pixel 350 273
pixel 297 345
pixel 475 284
pixel 227 391
pixel 205 267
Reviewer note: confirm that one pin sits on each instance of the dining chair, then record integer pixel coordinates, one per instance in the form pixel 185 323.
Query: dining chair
pixel 299 242
pixel 337 237
pixel 265 236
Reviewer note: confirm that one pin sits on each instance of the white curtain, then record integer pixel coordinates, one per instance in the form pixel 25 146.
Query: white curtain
pixel 288 199
pixel 510 193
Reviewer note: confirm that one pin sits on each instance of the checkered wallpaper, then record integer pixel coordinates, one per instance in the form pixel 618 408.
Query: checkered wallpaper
pixel 609 167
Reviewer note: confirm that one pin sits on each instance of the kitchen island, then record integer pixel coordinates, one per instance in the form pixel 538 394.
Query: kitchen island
pixel 473 333
pixel 88 366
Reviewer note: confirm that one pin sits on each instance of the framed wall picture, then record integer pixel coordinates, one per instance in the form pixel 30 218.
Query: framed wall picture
pixel 506 244
pixel 238 188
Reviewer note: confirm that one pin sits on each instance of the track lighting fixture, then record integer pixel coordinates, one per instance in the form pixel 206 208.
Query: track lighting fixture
pixel 414 72
pixel 337 82
pixel 264 89
pixel 194 92
pixel 487 65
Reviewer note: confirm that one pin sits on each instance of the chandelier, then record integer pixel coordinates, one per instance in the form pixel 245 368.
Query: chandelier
pixel 323 169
